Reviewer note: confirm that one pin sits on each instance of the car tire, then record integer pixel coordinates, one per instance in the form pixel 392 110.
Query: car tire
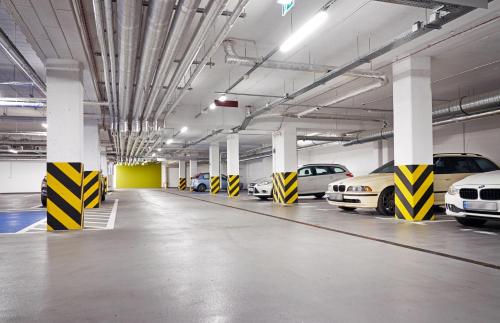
pixel 103 197
pixel 346 208
pixel 263 198
pixel 201 188
pixel 44 202
pixel 468 222
pixel 385 205
pixel 319 195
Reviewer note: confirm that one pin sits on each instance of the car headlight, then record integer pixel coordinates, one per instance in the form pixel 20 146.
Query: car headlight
pixel 359 189
pixel 453 190
pixel 264 183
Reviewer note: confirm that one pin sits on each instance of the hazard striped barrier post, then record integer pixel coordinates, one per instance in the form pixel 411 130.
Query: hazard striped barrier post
pixel 64 196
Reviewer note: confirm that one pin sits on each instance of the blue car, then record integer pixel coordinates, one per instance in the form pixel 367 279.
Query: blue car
pixel 201 182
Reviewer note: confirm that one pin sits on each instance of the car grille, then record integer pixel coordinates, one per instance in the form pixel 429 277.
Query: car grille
pixel 490 194
pixel 468 193
pixel 338 188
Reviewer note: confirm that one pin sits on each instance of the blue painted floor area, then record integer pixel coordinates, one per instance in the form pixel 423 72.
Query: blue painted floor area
pixel 13 221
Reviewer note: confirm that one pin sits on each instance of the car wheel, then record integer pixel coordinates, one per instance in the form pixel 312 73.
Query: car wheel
pixel 103 197
pixel 44 202
pixel 201 188
pixel 319 195
pixel 346 208
pixel 470 222
pixel 263 198
pixel 385 204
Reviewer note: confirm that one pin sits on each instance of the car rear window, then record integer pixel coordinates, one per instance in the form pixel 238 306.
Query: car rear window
pixel 322 170
pixel 337 170
pixel 485 165
pixel 386 168
pixel 459 164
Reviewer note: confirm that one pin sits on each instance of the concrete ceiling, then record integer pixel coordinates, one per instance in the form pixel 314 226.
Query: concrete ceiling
pixel 465 57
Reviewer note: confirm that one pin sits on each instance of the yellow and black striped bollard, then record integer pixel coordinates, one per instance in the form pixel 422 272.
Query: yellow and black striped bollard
pixel 214 184
pixel 414 192
pixel 64 196
pixel 182 184
pixel 285 188
pixel 91 189
pixel 233 185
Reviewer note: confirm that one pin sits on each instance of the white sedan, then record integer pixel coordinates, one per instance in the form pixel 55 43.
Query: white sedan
pixel 313 179
pixel 475 199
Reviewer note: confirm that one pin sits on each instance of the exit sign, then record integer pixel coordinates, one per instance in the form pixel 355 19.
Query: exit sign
pixel 287 6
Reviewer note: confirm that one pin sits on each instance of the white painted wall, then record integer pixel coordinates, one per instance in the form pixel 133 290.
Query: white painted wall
pixel 172 176
pixel 21 176
pixel 480 136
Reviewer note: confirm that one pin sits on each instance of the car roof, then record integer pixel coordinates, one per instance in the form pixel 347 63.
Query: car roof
pixel 317 164
pixel 457 154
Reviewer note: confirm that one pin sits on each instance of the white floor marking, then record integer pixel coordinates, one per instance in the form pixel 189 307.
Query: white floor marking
pixel 112 217
pixel 381 218
pixel 325 209
pixel 36 206
pixel 42 221
pixel 486 232
pixel 465 229
pixel 437 221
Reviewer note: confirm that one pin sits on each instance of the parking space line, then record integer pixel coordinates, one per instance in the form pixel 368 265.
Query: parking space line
pixel 486 232
pixel 32 226
pixel 112 217
pixel 352 234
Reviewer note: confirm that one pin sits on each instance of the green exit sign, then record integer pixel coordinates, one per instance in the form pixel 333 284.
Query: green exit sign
pixel 286 7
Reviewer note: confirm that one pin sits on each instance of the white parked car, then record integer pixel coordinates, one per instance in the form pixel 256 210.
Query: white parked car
pixel 313 179
pixel 475 199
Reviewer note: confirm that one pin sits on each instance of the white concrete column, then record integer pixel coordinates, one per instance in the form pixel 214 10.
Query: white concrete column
pixel 413 143
pixel 193 168
pixel 214 168
pixel 91 145
pixel 233 165
pixel 64 111
pixel 164 174
pixel 182 175
pixel 285 189
pixel 104 164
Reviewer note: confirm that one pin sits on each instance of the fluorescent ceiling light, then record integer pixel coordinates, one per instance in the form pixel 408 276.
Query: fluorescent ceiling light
pixel 154 155
pixel 13 151
pixel 158 149
pixel 222 98
pixel 44 124
pixel 284 1
pixel 169 141
pixel 184 129
pixel 306 30
pixel 212 106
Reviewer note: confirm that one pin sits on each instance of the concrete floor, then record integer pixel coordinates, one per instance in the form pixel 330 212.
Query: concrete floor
pixel 173 258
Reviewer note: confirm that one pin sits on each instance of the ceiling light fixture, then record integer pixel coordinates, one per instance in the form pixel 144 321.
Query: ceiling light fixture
pixel 212 106
pixel 284 2
pixel 222 98
pixel 45 125
pixel 306 30
pixel 158 149
pixel 169 141
pixel 184 129
pixel 13 151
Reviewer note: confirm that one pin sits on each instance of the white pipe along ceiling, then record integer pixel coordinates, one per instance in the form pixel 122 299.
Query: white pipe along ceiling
pixel 162 64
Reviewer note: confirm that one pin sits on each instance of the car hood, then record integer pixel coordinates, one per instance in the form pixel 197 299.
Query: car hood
pixel 264 179
pixel 489 178
pixel 365 180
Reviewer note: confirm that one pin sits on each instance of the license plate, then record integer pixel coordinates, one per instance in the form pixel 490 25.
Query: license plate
pixel 481 206
pixel 336 197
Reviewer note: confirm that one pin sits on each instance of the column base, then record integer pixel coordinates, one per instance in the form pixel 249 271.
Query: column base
pixel 414 192
pixel 233 185
pixel 285 188
pixel 214 184
pixel 64 196
pixel 182 184
pixel 92 189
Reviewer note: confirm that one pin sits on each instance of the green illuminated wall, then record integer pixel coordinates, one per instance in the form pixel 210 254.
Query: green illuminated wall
pixel 141 176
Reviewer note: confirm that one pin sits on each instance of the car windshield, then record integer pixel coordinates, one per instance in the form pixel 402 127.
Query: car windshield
pixel 386 168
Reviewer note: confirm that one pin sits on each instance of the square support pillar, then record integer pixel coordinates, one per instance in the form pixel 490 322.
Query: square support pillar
pixel 164 178
pixel 214 168
pixel 413 144
pixel 285 184
pixel 233 165
pixel 193 170
pixel 182 175
pixel 65 144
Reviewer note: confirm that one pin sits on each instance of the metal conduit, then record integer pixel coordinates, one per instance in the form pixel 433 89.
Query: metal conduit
pixel 233 58
pixel 419 29
pixel 182 20
pixel 214 11
pixel 18 59
pixel 462 109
